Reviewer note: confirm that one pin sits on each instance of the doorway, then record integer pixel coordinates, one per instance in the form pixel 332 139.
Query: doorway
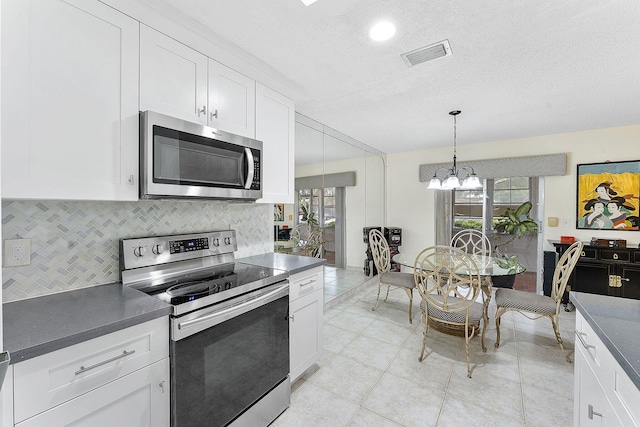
pixel 481 209
pixel 326 208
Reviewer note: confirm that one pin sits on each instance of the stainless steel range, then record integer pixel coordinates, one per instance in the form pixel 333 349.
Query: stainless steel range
pixel 229 327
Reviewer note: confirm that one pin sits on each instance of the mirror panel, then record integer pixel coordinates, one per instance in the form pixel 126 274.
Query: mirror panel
pixel 321 152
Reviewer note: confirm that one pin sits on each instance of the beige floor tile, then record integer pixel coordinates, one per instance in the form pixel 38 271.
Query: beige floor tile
pixel 388 332
pixel 433 372
pixel 366 418
pixel 350 321
pixel 371 352
pixel 457 412
pixel 489 392
pixel 346 378
pixel 543 409
pixel 311 406
pixel 335 339
pixel 405 403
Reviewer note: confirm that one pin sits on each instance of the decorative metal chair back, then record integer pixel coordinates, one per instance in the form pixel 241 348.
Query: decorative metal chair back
pixel 563 270
pixel 472 242
pixel 314 244
pixel 300 234
pixel 447 278
pixel 380 251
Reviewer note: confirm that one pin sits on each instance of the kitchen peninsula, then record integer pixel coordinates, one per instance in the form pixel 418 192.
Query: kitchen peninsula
pixel 607 360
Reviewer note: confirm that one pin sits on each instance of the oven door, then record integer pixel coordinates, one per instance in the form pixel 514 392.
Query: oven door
pixel 228 358
pixel 184 159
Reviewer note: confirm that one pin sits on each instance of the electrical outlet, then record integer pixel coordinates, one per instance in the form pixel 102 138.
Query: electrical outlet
pixel 17 252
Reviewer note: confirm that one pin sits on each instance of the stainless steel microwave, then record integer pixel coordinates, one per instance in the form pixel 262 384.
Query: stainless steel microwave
pixel 181 159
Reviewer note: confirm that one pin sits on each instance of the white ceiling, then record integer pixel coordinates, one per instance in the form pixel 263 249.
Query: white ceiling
pixel 519 68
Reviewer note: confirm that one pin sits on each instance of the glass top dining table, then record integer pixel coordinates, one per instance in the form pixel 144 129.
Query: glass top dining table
pixel 487 265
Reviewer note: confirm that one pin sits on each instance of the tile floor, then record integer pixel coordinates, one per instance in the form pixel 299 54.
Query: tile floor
pixel 338 281
pixel 369 374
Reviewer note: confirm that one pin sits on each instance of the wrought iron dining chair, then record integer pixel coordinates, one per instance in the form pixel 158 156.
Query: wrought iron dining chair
pixel 475 242
pixel 472 242
pixel 534 306
pixel 449 283
pixel 382 260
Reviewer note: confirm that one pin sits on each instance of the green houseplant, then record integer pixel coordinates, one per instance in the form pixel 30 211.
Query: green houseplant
pixel 516 224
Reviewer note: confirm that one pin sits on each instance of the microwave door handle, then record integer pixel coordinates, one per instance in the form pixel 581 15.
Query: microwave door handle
pixel 250 169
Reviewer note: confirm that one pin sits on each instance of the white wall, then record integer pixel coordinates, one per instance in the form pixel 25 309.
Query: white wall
pixel 411 206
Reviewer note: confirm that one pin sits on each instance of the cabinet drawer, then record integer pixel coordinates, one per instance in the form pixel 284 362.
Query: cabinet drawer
pixel 54 378
pixel 135 400
pixel 306 282
pixel 593 347
pixel 613 255
pixel 589 253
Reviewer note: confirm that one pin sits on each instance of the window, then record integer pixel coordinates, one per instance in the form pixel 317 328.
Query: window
pixel 469 210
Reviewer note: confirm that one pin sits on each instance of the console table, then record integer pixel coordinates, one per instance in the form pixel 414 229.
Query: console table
pixel 605 270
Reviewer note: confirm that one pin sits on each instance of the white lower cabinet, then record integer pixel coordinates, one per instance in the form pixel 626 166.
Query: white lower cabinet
pixel 604 395
pixel 138 399
pixel 119 379
pixel 306 303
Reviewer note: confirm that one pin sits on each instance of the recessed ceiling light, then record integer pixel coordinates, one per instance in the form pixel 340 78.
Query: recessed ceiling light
pixel 308 2
pixel 382 31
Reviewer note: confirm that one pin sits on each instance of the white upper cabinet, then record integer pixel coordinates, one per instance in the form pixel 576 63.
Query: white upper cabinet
pixel 182 82
pixel 232 100
pixel 69 101
pixel 173 77
pixel 275 127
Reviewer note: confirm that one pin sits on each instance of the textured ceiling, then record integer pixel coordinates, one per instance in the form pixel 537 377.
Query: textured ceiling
pixel 519 68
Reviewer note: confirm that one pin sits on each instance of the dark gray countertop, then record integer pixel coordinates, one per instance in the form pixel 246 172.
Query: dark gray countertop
pixel 291 263
pixel 36 326
pixel 617 322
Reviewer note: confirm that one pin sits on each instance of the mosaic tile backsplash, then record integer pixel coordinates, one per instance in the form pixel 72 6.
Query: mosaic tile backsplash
pixel 74 244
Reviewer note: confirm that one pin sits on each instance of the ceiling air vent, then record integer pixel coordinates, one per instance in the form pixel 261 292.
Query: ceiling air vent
pixel 427 53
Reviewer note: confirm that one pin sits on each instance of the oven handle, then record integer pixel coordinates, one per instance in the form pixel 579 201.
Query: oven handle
pixel 250 169
pixel 236 310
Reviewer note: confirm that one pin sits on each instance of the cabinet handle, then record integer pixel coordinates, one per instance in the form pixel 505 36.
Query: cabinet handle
pixel 291 317
pixel 310 282
pixel 104 362
pixel 214 115
pixel 583 254
pixel 162 386
pixel 592 412
pixel 615 256
pixel 203 111
pixel 131 179
pixel 584 343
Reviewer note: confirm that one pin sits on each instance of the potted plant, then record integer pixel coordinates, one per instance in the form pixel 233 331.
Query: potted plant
pixel 313 239
pixel 518 224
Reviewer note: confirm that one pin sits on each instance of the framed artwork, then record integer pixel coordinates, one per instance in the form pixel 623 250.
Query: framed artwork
pixel 278 212
pixel 608 195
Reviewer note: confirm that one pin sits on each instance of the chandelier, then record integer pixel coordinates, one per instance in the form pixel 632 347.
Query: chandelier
pixel 452 181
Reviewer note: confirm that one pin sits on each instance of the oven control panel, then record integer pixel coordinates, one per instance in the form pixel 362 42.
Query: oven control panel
pixel 188 245
pixel 150 251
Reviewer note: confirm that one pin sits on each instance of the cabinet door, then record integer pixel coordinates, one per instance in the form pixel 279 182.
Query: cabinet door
pixel 232 100
pixel 173 77
pixel 69 101
pixel 591 405
pixel 630 282
pixel 591 278
pixel 305 332
pixel 275 127
pixel 140 399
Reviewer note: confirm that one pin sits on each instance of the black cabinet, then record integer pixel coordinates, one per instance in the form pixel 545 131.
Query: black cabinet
pixel 606 271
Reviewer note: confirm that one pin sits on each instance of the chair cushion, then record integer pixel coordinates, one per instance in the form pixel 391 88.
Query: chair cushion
pixel 525 301
pixel 396 278
pixel 475 312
